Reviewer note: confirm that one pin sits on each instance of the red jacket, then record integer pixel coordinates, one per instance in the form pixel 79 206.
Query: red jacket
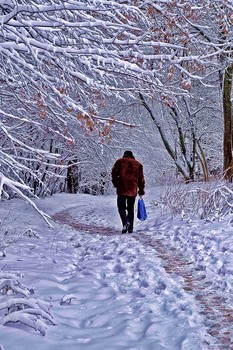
pixel 127 177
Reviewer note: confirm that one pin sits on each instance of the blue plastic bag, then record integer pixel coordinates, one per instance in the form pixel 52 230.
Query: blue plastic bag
pixel 141 213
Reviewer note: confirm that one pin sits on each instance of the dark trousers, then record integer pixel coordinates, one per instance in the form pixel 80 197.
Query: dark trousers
pixel 125 206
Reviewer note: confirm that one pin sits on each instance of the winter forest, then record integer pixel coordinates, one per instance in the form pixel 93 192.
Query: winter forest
pixel 81 82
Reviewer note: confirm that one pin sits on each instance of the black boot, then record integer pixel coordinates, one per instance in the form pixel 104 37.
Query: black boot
pixel 125 228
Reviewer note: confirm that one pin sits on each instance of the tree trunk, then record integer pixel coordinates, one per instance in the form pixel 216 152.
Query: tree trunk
pixel 168 147
pixel 227 142
pixel 72 176
pixel 203 161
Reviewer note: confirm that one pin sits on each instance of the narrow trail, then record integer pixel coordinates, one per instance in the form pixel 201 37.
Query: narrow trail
pixel 218 316
pixel 65 218
pixel 215 309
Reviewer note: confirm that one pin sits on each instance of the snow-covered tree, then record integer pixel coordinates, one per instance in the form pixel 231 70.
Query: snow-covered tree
pixel 204 28
pixel 60 59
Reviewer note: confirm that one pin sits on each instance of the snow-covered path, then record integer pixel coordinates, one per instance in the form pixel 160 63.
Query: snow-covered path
pixel 217 315
pixel 160 288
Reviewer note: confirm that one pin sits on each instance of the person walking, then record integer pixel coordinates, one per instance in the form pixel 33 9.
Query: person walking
pixel 128 179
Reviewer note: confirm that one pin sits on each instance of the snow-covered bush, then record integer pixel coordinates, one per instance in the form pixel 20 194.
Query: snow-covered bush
pixel 183 200
pixel 10 235
pixel 7 237
pixel 219 202
pixel 13 286
pixel 34 313
pixel 211 201
pixel 23 309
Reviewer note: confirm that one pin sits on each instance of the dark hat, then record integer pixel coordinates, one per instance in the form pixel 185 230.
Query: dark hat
pixel 128 154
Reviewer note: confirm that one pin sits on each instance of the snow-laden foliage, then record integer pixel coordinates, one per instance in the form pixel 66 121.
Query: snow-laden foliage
pixel 11 285
pixel 23 309
pixel 212 201
pixel 30 312
pixel 219 202
pixel 57 60
pixel 60 59
pixel 62 55
pixel 9 237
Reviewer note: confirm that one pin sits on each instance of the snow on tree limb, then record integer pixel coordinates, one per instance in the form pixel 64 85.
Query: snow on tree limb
pixel 31 312
pixel 13 185
pixel 15 286
pixel 59 59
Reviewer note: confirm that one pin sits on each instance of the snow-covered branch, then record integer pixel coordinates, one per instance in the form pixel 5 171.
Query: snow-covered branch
pixel 22 308
pixel 61 59
pixel 17 188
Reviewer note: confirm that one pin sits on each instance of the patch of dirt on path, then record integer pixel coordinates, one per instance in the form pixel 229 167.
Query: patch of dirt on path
pixel 65 218
pixel 215 308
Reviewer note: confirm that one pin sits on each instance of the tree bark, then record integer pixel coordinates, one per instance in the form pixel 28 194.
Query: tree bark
pixel 203 162
pixel 169 149
pixel 72 176
pixel 227 113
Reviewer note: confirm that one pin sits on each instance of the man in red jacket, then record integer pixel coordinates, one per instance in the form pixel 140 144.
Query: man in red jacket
pixel 128 178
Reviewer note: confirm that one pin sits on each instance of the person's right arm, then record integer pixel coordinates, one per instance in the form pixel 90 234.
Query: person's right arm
pixel 141 181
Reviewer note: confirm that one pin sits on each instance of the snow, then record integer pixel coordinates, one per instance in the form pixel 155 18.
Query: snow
pixel 166 286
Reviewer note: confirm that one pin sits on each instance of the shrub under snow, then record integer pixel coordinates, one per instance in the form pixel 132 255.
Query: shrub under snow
pixel 34 313
pixel 212 201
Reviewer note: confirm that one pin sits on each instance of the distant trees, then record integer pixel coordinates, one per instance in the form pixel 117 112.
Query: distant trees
pixel 180 136
pixel 214 31
pixel 205 30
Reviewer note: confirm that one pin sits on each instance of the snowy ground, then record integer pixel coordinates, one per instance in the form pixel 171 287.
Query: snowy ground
pixel 166 286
